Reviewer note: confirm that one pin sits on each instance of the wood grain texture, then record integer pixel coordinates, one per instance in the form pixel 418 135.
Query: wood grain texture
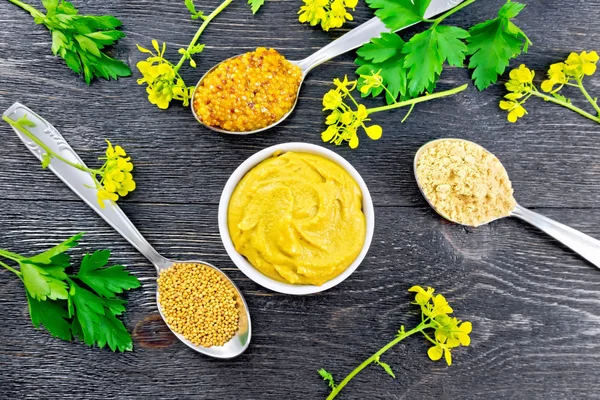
pixel 534 304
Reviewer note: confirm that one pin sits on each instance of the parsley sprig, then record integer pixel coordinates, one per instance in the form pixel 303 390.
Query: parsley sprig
pixel 81 305
pixel 81 39
pixel 413 67
pixel 436 326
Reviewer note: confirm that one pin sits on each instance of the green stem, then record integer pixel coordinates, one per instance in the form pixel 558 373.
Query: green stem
pixel 567 105
pixel 593 102
pixel 205 23
pixel 417 100
pixel 10 256
pixel 42 145
pixel 32 10
pixel 420 328
pixel 10 269
pixel 452 11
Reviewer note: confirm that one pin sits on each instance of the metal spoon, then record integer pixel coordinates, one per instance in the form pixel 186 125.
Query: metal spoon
pixel 355 38
pixel 586 246
pixel 83 185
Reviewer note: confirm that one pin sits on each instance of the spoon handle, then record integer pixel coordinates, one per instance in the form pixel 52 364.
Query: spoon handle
pixel 355 38
pixel 363 33
pixel 584 245
pixel 80 182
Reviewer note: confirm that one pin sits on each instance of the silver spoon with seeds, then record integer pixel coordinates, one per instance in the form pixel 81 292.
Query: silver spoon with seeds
pixel 83 185
pixel 468 185
pixel 355 38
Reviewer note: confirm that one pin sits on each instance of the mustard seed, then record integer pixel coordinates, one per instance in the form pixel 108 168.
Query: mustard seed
pixel 248 92
pixel 198 303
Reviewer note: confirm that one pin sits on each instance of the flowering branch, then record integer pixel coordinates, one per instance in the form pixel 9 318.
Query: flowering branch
pixel 568 73
pixel 112 180
pixel 344 121
pixel 449 333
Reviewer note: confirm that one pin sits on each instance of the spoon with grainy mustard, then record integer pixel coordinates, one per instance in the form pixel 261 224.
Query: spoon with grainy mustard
pixel 468 185
pixel 198 302
pixel 255 91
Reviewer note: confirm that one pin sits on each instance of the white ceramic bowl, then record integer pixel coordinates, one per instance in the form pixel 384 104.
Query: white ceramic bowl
pixel 243 264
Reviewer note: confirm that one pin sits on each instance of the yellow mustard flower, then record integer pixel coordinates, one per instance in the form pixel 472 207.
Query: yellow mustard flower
pixel 344 121
pixel 578 65
pixel 332 100
pixel 106 195
pixel 115 175
pixel 556 76
pixel 514 108
pixel 329 14
pixel 422 295
pixel 163 79
pixel 521 80
pixel 371 81
pixel 439 307
pixel 345 86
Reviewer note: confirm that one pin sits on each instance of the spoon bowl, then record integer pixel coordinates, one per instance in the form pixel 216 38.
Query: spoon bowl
pixel 586 246
pixel 239 342
pixel 441 213
pixel 284 117
pixel 84 186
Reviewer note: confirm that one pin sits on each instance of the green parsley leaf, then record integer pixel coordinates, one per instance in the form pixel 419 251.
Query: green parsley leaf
pixel 426 53
pixel 52 314
pixel 384 54
pixel 255 5
pixel 66 309
pixel 397 14
pixel 47 256
pixel 381 48
pixel 493 43
pixel 97 320
pixel 451 47
pixel 79 39
pixel 41 284
pixel 107 282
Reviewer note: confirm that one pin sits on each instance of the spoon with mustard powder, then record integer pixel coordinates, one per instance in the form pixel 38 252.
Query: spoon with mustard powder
pixel 255 91
pixel 198 302
pixel 468 185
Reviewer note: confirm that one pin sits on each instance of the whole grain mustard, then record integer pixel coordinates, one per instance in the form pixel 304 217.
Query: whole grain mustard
pixel 198 303
pixel 464 182
pixel 298 218
pixel 248 92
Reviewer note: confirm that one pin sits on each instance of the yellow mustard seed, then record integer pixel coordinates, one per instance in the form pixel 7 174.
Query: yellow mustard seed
pixel 464 182
pixel 198 303
pixel 248 92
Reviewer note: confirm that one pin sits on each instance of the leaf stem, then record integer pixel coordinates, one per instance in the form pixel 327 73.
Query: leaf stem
pixel 565 104
pixel 10 269
pixel 10 256
pixel 42 145
pixel 417 100
pixel 593 102
pixel 420 328
pixel 32 10
pixel 448 13
pixel 205 23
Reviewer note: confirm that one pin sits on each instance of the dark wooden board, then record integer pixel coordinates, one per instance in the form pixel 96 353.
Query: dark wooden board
pixel 533 303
